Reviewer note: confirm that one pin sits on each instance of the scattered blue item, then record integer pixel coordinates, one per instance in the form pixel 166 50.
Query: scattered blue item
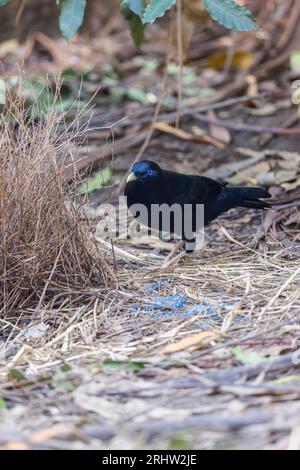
pixel 155 285
pixel 179 307
pixel 175 301
pixel 160 302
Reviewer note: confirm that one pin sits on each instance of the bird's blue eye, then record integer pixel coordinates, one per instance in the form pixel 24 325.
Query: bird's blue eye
pixel 149 172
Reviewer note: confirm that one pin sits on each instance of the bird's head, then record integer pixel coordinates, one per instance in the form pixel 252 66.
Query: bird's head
pixel 145 172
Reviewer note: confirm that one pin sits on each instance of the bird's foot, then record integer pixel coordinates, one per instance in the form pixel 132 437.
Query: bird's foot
pixel 171 258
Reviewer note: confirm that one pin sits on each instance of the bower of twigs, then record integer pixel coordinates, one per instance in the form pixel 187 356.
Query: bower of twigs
pixel 44 244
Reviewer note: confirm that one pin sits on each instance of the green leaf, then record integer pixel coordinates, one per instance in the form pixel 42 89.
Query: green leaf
pixel 135 23
pixel 67 385
pixel 266 110
pixel 129 366
pixel 3 2
pixel 65 367
pixel 247 357
pixel 2 402
pixel 71 16
pixel 136 94
pixel 137 30
pixel 295 61
pixel 231 15
pixel 179 441
pixel 286 379
pixel 100 178
pixel 15 374
pixel 157 9
pixel 135 366
pixel 137 6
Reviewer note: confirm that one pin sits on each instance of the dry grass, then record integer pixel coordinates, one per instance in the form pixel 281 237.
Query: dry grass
pixel 133 393
pixel 44 247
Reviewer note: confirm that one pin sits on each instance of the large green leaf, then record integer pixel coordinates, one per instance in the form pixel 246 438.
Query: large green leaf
pixel 135 23
pixel 137 6
pixel 156 9
pixel 231 15
pixel 137 30
pixel 71 16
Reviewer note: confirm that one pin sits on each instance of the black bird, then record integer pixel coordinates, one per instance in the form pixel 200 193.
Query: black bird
pixel 149 184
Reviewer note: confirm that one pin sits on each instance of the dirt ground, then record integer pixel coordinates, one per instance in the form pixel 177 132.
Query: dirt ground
pixel 204 354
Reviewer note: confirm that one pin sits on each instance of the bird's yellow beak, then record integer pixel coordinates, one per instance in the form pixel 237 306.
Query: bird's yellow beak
pixel 131 178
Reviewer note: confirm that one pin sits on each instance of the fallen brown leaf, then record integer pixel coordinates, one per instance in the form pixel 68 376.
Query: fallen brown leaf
pixel 217 132
pixel 190 342
pixel 181 134
pixel 17 445
pixel 241 59
pixel 49 433
pixel 193 13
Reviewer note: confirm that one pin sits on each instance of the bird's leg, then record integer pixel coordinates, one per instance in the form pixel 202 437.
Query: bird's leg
pixel 189 247
pixel 157 249
pixel 171 257
pixel 173 260
pixel 177 247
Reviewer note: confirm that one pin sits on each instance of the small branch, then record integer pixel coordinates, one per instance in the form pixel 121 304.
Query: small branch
pixel 180 61
pixel 279 292
pixel 171 116
pixel 246 127
pixel 38 308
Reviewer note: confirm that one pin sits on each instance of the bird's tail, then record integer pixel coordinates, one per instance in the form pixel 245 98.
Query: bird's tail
pixel 249 197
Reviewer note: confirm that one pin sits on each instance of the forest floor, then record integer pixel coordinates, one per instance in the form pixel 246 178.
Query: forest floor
pixel 203 354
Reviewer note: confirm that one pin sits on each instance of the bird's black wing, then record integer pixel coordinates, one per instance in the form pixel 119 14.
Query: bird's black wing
pixel 194 190
pixel 191 189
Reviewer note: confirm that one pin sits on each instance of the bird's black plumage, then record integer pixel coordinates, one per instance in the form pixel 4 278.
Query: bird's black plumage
pixel 149 184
